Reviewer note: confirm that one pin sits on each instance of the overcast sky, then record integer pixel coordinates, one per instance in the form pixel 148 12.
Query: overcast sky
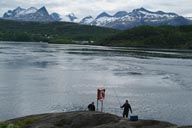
pixel 83 8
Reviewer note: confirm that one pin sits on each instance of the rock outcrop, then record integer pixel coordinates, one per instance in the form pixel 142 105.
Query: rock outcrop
pixel 84 119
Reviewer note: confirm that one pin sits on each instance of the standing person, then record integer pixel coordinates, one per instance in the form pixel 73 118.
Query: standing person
pixel 91 107
pixel 126 107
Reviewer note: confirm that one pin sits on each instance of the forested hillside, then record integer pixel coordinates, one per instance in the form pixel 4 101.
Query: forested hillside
pixel 64 32
pixel 152 37
pixel 51 31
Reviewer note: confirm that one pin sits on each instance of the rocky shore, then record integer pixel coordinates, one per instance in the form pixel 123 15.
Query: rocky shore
pixel 83 119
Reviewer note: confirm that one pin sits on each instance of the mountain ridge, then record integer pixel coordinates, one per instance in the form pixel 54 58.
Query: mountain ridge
pixel 31 14
pixel 138 17
pixel 119 20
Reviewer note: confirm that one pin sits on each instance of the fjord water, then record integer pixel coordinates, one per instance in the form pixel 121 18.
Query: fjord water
pixel 40 78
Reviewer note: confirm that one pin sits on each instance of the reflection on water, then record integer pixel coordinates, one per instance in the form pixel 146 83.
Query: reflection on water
pixel 40 77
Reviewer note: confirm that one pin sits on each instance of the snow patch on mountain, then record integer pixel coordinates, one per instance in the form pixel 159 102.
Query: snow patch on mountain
pixel 120 14
pixel 87 20
pixel 140 16
pixel 103 14
pixel 27 11
pixel 120 20
pixel 102 21
pixel 30 14
pixel 71 17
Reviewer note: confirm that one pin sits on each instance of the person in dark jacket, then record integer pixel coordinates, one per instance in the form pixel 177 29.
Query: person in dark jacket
pixel 91 107
pixel 126 107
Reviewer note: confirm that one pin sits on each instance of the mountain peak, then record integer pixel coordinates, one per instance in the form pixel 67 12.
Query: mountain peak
pixel 71 17
pixel 55 16
pixel 31 14
pixel 120 14
pixel 71 14
pixel 103 14
pixel 19 8
pixel 140 9
pixel 32 8
pixel 42 11
pixel 143 9
pixel 89 16
pixel 87 20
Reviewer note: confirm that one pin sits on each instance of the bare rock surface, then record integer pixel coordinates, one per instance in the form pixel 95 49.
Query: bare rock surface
pixel 86 119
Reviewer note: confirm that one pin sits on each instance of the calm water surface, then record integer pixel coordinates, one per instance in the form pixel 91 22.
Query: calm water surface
pixel 40 78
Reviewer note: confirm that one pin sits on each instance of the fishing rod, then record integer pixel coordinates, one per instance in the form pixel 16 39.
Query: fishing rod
pixel 117 98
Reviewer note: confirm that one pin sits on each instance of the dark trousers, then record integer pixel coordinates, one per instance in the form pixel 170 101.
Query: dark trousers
pixel 125 114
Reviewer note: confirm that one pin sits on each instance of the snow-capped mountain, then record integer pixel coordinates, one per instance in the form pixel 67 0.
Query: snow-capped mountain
pixel 103 14
pixel 34 14
pixel 87 20
pixel 55 16
pixel 121 14
pixel 141 16
pixel 120 20
pixel 70 18
pixel 142 13
pixel 26 11
pixel 13 13
pixel 31 14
